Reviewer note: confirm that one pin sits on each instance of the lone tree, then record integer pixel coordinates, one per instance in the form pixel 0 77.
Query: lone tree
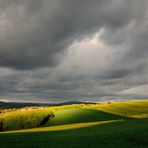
pixel 109 102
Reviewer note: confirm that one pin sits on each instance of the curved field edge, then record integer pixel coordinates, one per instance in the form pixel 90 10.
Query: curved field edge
pixel 62 127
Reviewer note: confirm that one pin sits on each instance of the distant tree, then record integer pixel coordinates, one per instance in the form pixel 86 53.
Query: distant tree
pixel 109 102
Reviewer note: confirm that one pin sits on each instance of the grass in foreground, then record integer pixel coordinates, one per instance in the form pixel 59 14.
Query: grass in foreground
pixel 129 133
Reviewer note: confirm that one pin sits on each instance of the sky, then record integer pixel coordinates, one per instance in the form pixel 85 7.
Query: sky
pixel 66 50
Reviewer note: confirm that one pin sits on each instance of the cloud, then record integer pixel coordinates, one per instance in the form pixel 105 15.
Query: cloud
pixel 136 91
pixel 34 33
pixel 73 49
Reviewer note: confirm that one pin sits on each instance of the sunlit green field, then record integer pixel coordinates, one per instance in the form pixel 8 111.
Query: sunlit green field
pixel 118 124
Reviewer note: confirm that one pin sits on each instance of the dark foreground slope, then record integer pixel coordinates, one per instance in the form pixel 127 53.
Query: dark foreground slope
pixel 121 134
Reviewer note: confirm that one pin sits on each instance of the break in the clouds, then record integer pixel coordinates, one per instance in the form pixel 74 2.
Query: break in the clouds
pixel 63 50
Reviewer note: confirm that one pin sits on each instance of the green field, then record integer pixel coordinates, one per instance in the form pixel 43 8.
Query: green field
pixel 119 124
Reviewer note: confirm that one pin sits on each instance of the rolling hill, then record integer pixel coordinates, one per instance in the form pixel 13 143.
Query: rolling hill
pixel 119 124
pixel 9 105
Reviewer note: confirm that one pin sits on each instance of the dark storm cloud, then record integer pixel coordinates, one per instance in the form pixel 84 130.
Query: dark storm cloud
pixel 117 74
pixel 34 32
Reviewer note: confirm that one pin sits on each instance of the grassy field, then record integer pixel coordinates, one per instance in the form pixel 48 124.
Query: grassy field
pixel 133 109
pixel 119 124
pixel 80 115
pixel 23 118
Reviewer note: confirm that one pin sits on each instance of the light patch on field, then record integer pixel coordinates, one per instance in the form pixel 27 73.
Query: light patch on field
pixel 133 109
pixel 140 116
pixel 64 127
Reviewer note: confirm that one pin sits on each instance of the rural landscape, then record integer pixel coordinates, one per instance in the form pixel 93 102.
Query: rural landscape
pixel 110 124
pixel 73 73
